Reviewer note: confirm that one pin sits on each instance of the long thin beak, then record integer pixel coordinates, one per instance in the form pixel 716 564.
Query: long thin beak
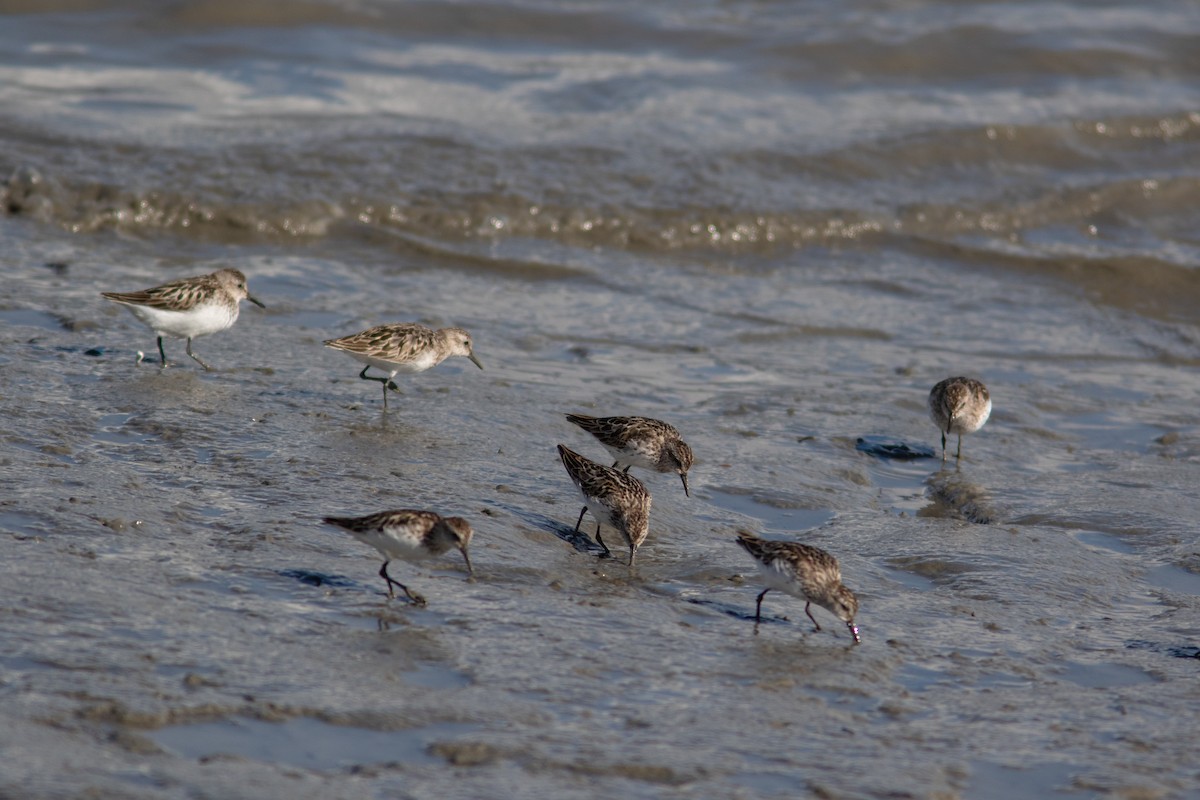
pixel 467 558
pixel 683 475
pixel 854 632
pixel 252 300
pixel 474 360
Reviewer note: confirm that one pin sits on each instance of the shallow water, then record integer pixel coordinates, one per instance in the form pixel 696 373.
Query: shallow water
pixel 774 225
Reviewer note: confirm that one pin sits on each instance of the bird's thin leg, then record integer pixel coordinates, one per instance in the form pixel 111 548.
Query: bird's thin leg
pixel 579 522
pixel 943 447
pixel 758 606
pixel 600 541
pixel 367 377
pixel 958 455
pixel 758 610
pixel 816 625
pixel 632 552
pixel 383 574
pixel 190 353
pixel 387 383
pixel 162 353
pixel 416 598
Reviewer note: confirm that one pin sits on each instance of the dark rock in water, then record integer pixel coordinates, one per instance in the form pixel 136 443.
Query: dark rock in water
pixel 884 447
pixel 95 351
pixel 1175 651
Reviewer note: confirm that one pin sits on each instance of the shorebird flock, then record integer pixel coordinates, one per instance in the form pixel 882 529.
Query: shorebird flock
pixel 616 500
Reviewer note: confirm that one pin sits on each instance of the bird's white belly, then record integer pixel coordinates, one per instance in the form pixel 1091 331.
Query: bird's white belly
pixel 968 422
pixel 405 548
pixel 631 456
pixel 779 577
pixel 601 513
pixel 418 364
pixel 199 321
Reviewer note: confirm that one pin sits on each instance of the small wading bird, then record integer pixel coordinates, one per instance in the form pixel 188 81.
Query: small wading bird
pixel 802 571
pixel 403 347
pixel 409 536
pixel 638 442
pixel 959 405
pixel 189 307
pixel 614 498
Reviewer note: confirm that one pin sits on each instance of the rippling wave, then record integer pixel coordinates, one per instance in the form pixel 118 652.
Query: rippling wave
pixel 1099 180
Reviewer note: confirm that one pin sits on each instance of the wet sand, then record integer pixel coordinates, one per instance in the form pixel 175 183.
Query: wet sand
pixel 180 623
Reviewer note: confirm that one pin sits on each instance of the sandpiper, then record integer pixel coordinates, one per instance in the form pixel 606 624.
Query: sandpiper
pixel 410 536
pixel 403 347
pixel 189 307
pixel 802 571
pixel 959 405
pixel 614 498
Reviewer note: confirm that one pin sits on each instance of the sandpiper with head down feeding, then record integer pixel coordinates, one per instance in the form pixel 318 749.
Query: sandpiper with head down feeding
pixel 410 536
pixel 614 498
pixel 802 571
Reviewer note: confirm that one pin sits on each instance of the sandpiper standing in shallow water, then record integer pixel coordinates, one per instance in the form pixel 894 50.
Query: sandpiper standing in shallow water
pixel 639 442
pixel 959 405
pixel 802 571
pixel 614 498
pixel 189 307
pixel 409 536
pixel 403 347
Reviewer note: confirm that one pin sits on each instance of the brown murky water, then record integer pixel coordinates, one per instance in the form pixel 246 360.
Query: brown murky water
pixel 775 225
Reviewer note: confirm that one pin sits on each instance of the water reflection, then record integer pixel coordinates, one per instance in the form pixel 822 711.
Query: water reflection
pixel 951 494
